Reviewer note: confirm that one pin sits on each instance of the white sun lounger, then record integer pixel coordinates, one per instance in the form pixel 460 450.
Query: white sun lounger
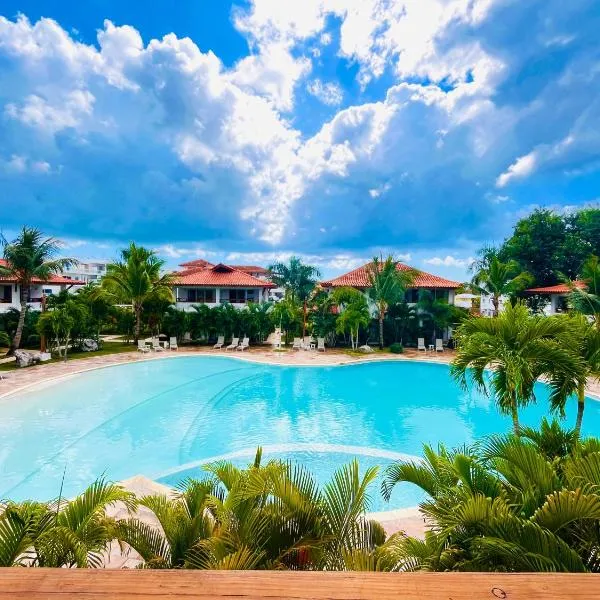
pixel 142 346
pixel 297 344
pixel 220 342
pixel 421 344
pixel 234 344
pixel 156 345
pixel 173 343
pixel 439 345
pixel 321 344
pixel 245 343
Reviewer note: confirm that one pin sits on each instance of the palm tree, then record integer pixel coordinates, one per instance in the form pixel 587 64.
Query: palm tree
pixel 583 339
pixel 354 312
pixel 387 286
pixel 61 533
pixel 137 278
pixel 503 506
pixel 497 278
pixel 510 353
pixel 441 313
pixel 298 280
pixel 30 256
pixel 587 300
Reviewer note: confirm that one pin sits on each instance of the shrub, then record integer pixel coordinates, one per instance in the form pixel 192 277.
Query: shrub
pixel 4 339
pixel 396 348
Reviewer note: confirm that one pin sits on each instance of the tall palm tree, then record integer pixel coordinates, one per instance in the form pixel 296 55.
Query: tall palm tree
pixel 30 256
pixel 298 280
pixel 497 278
pixel 136 278
pixel 587 300
pixel 387 286
pixel 508 354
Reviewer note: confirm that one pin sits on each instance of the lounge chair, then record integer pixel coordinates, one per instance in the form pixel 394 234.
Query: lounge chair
pixel 321 344
pixel 421 344
pixel 142 346
pixel 220 342
pixel 173 343
pixel 439 345
pixel 307 341
pixel 245 343
pixel 156 345
pixel 234 344
pixel 297 344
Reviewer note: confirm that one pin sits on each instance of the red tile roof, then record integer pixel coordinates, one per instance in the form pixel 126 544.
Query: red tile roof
pixel 251 269
pixel 52 280
pixel 359 278
pixel 196 263
pixel 204 264
pixel 219 276
pixel 561 288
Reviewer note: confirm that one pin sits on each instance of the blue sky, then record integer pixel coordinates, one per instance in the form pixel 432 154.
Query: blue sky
pixel 246 131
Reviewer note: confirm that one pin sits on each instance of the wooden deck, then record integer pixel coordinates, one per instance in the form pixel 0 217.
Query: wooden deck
pixel 38 584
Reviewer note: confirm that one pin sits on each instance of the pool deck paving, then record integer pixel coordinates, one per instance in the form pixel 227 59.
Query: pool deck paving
pixel 409 520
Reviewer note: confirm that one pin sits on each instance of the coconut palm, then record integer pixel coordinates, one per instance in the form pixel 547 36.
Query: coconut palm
pixel 387 286
pixel 503 506
pixel 440 313
pixel 587 300
pixel 354 312
pixel 30 256
pixel 61 533
pixel 497 278
pixel 137 278
pixel 507 355
pixel 298 280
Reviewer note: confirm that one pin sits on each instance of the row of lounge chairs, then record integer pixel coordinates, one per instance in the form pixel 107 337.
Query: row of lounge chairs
pixel 153 345
pixel 308 343
pixel 235 344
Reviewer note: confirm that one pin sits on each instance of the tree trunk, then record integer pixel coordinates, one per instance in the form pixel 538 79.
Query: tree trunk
pixel 304 319
pixel 16 341
pixel 580 407
pixel 138 323
pixel 515 420
pixel 496 304
pixel 381 316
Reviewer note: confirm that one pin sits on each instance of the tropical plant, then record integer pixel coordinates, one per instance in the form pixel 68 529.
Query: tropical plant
pixel 387 286
pixel 298 280
pixel 507 355
pixel 323 317
pixel 202 321
pixel 268 516
pixel 176 323
pixel 63 533
pixel 403 321
pixel 504 506
pixel 137 278
pixel 286 315
pixel 58 323
pixel 439 313
pixel 30 256
pixel 354 312
pixel 260 320
pixel 587 300
pixel 98 304
pixel 496 278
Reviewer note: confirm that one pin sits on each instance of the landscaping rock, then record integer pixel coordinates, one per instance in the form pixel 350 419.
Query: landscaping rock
pixel 26 359
pixel 366 349
pixel 89 345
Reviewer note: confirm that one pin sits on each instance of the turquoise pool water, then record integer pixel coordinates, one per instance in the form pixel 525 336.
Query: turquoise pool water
pixel 163 418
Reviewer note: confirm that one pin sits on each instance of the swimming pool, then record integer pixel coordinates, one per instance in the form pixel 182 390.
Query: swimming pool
pixel 163 418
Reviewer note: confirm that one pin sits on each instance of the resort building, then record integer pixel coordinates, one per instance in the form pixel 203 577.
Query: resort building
pixel 10 291
pixel 556 296
pixel 201 282
pixel 442 289
pixel 87 270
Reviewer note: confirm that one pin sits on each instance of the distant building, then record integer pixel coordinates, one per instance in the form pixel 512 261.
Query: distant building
pixel 556 296
pixel 87 270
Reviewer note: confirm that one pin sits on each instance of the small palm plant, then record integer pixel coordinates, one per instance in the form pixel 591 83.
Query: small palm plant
pixel 586 300
pixel 63 533
pixel 506 356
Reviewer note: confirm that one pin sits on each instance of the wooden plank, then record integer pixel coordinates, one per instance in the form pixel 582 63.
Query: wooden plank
pixel 63 584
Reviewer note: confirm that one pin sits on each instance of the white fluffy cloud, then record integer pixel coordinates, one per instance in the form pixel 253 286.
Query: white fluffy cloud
pixel 328 93
pixel 448 261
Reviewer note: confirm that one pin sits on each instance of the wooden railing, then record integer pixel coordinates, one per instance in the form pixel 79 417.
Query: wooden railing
pixel 82 584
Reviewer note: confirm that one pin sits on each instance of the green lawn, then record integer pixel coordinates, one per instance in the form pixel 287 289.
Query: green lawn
pixel 108 348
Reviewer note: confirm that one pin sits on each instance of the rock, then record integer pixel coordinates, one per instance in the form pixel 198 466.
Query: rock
pixel 89 345
pixel 26 359
pixel 366 349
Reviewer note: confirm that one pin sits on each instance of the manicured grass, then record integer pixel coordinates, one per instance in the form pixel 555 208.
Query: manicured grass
pixel 107 349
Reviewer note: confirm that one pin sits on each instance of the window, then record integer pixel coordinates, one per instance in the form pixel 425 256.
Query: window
pixel 252 295
pixel 237 296
pixel 197 295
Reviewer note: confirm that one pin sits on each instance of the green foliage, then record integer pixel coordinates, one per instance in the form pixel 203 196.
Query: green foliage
pixel 396 348
pixel 437 315
pixel 547 244
pixel 509 504
pixel 175 323
pixel 4 339
pixel 587 301
pixel 354 312
pixel 287 315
